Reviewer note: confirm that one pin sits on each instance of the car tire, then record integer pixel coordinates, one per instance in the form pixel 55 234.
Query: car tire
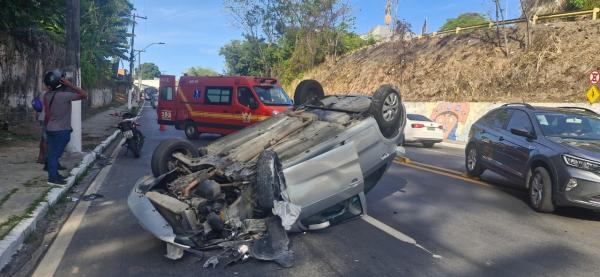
pixel 191 132
pixel 428 144
pixel 473 161
pixel 162 159
pixel 269 178
pixel 308 92
pixel 386 107
pixel 540 190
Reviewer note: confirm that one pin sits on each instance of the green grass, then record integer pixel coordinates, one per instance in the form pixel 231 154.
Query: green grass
pixel 10 136
pixel 8 225
pixel 7 196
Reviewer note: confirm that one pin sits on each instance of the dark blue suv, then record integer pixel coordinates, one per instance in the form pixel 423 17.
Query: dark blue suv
pixel 553 152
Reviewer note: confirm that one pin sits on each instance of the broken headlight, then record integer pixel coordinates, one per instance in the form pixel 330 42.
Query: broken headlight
pixel 580 163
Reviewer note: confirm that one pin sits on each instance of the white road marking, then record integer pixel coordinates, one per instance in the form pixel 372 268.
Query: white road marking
pixel 396 234
pixel 55 253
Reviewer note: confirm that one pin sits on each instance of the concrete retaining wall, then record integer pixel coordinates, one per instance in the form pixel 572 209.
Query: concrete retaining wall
pixel 24 57
pixel 457 117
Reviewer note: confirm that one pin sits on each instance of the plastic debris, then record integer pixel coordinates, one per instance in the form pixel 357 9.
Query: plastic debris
pixel 92 196
pixel 212 261
pixel 288 213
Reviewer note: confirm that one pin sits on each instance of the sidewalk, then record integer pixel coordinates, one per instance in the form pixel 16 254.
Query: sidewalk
pixel 23 182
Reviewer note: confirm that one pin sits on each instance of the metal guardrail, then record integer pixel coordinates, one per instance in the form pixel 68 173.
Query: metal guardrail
pixel 534 20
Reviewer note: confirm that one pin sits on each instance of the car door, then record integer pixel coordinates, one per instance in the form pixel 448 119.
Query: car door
pixel 325 180
pixel 489 136
pixel 243 106
pixel 516 149
pixel 216 113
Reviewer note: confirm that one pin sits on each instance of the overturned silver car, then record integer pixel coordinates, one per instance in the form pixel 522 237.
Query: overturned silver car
pixel 304 169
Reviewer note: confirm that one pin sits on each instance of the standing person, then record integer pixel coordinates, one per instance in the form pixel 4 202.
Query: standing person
pixel 57 109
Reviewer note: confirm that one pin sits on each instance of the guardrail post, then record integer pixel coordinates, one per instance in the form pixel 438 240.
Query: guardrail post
pixel 491 25
pixel 433 34
pixel 595 13
pixel 457 30
pixel 534 19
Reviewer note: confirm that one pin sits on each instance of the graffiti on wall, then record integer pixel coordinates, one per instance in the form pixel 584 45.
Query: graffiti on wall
pixel 450 115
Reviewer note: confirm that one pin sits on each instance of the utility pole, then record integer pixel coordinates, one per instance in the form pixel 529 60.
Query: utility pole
pixel 72 59
pixel 134 16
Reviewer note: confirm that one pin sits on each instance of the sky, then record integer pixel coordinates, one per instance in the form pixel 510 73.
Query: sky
pixel 194 30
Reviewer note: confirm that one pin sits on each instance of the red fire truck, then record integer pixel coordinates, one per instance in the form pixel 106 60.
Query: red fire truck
pixel 219 105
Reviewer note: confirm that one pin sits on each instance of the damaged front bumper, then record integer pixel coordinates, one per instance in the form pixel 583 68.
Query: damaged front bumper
pixel 151 219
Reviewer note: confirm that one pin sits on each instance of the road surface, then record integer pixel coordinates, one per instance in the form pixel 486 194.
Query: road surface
pixel 477 227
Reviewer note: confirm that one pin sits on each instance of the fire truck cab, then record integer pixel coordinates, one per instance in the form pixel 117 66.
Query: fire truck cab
pixel 218 105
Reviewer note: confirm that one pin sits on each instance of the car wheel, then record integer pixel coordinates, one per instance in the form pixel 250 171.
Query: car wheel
pixel 386 108
pixel 540 190
pixel 162 157
pixel 269 177
pixel 308 92
pixel 191 132
pixel 472 162
pixel 428 144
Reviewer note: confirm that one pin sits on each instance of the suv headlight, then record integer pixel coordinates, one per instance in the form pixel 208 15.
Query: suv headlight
pixel 582 163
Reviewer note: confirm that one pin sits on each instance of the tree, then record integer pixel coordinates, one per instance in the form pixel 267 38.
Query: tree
pixel 104 30
pixel 464 20
pixel 200 71
pixel 575 5
pixel 149 71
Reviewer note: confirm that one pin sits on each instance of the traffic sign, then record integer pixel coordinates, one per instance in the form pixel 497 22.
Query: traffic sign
pixel 594 77
pixel 593 94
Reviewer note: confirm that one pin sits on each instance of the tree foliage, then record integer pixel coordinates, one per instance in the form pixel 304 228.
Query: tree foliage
pixel 200 71
pixel 149 71
pixel 464 20
pixel 574 5
pixel 283 38
pixel 104 27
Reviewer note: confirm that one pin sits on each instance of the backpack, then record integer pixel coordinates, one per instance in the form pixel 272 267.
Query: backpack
pixel 37 105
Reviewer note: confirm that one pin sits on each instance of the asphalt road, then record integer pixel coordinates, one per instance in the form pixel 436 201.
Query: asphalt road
pixel 478 229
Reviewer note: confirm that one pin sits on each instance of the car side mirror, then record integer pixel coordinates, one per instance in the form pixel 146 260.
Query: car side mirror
pixel 522 133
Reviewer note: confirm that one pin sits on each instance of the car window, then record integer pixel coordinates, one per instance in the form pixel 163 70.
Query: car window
pixel 245 96
pixel 520 120
pixel 569 125
pixel 272 96
pixel 417 117
pixel 497 119
pixel 166 93
pixel 218 96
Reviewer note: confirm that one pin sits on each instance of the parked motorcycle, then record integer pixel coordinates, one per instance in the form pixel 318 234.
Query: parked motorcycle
pixel 134 139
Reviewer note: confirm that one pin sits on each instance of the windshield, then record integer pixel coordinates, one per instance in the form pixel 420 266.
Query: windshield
pixel 273 96
pixel 570 125
pixel 417 117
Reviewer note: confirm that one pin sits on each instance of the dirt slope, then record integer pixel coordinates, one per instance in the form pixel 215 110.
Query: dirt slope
pixel 471 67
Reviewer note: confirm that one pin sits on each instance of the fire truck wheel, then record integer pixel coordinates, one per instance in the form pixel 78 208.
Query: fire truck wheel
pixel 308 92
pixel 191 132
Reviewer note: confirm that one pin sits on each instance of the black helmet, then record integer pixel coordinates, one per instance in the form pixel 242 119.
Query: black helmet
pixel 52 78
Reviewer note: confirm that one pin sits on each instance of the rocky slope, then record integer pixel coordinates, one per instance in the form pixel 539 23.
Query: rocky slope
pixel 472 67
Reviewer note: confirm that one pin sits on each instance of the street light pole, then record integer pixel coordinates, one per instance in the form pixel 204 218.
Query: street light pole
pixel 140 69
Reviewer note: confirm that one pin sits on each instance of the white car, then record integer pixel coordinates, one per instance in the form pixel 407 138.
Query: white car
pixel 423 130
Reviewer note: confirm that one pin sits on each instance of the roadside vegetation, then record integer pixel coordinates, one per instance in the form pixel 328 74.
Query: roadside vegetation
pixel 200 71
pixel 104 34
pixel 285 38
pixel 464 20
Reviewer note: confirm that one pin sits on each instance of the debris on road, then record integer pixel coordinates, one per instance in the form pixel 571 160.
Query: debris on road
pixel 92 196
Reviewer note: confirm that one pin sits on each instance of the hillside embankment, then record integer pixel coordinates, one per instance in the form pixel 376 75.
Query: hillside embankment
pixel 474 66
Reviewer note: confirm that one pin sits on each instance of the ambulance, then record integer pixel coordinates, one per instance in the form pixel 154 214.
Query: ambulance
pixel 218 105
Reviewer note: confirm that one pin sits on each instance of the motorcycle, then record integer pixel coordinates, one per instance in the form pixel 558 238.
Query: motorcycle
pixel 134 139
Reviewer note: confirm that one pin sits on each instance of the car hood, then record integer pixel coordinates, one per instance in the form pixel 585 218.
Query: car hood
pixel 585 148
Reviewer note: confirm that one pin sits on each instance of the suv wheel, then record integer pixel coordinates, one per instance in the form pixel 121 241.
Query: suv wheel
pixel 472 162
pixel 540 190
pixel 308 92
pixel 162 157
pixel 386 107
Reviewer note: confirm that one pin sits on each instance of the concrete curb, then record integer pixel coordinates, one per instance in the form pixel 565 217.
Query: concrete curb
pixel 13 242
